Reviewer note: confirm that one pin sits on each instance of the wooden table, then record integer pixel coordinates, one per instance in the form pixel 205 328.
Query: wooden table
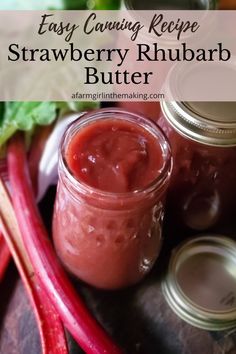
pixel 138 318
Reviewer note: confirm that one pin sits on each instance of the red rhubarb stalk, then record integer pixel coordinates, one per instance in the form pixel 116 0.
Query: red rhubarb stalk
pixel 5 254
pixel 50 327
pixel 85 329
pixel 5 257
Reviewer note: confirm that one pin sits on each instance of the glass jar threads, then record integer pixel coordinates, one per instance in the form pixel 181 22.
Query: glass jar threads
pixel 203 139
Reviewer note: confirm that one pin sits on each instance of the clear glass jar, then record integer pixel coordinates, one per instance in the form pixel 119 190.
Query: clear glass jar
pixel 202 192
pixel 151 109
pixel 109 240
pixel 170 5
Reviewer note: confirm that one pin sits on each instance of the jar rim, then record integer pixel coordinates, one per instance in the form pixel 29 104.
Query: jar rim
pixel 105 113
pixel 197 126
pixel 210 5
pixel 209 122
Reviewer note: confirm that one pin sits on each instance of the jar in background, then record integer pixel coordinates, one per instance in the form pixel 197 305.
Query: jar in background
pixel 202 135
pixel 111 239
pixel 170 5
pixel 227 4
pixel 148 109
pixel 152 109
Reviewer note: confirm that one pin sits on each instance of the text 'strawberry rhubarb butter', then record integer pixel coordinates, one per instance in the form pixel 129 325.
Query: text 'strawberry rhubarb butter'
pixel 114 169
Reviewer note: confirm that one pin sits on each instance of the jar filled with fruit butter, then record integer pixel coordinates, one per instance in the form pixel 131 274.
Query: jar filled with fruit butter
pixel 114 170
pixel 151 109
pixel 202 135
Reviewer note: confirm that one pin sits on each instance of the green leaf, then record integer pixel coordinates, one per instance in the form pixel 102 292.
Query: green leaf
pixel 75 4
pixel 24 116
pixel 59 4
pixel 43 4
pixel 76 106
pixel 2 109
pixel 104 4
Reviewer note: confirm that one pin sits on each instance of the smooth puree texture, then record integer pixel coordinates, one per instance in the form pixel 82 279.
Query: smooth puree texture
pixel 115 156
pixel 107 222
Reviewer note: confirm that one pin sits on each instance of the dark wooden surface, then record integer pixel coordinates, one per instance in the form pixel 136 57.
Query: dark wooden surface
pixel 138 318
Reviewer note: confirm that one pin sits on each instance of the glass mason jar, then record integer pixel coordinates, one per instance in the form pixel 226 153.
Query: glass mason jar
pixel 202 135
pixel 151 109
pixel 170 5
pixel 109 240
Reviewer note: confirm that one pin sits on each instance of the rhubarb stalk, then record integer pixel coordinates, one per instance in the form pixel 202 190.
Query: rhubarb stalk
pixel 5 254
pixel 5 257
pixel 50 327
pixel 87 332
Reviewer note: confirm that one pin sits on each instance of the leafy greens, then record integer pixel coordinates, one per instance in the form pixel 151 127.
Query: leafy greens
pixel 59 4
pixel 26 115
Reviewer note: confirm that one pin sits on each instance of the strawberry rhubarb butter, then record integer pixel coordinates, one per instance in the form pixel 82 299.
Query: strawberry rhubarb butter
pixel 114 169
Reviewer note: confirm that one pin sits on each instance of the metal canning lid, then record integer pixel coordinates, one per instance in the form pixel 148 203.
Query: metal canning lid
pixel 200 286
pixel 169 5
pixel 210 123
